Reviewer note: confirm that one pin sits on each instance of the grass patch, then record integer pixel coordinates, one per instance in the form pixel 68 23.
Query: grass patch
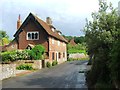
pixel 72 59
pixel 70 51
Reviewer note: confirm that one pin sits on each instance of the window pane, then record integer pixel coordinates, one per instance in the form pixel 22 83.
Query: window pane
pixel 29 36
pixel 36 35
pixel 32 35
pixel 53 56
pixel 59 54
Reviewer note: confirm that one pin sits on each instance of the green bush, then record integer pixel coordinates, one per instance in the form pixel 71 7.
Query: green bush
pixel 70 59
pixel 25 67
pixel 15 55
pixel 23 54
pixel 37 52
pixel 48 64
pixel 54 63
pixel 8 56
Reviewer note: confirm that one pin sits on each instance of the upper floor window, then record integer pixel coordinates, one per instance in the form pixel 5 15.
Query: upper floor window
pixel 58 43
pixel 53 56
pixel 32 35
pixel 53 29
pixel 52 40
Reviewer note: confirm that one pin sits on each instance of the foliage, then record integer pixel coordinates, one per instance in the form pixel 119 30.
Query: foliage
pixel 5 56
pixel 4 38
pixel 79 48
pixel 101 33
pixel 23 54
pixel 79 40
pixel 37 52
pixel 48 64
pixel 15 55
pixel 114 62
pixel 54 63
pixel 72 59
pixel 25 67
pixel 3 34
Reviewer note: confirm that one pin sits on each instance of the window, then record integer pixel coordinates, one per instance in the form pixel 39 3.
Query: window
pixel 63 55
pixel 53 57
pixel 58 43
pixel 32 35
pixel 59 55
pixel 53 29
pixel 52 40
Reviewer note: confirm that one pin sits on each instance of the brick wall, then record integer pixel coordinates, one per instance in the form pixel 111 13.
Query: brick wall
pixel 56 47
pixel 31 27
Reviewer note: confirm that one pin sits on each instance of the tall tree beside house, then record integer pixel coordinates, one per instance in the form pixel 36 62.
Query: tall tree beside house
pixel 4 38
pixel 102 35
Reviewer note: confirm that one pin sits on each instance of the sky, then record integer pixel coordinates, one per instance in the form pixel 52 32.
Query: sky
pixel 68 16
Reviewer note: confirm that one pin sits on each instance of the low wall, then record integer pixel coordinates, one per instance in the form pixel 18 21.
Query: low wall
pixel 36 64
pixel 7 70
pixel 78 55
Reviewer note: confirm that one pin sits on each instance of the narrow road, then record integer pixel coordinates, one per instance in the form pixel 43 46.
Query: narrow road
pixel 65 75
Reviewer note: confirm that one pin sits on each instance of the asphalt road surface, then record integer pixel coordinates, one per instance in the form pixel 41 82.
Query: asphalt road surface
pixel 65 75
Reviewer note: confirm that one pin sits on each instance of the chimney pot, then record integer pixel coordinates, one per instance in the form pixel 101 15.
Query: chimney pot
pixel 18 22
pixel 48 21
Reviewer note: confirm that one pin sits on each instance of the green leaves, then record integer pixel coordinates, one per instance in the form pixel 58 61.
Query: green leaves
pixel 103 42
pixel 37 52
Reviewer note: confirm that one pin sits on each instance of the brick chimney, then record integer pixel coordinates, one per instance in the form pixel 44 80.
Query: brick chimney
pixel 48 21
pixel 18 22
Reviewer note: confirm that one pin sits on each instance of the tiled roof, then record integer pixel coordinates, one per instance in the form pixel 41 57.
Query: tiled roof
pixel 48 29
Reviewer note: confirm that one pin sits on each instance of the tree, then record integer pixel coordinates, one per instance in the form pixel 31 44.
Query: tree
pixel 4 38
pixel 100 35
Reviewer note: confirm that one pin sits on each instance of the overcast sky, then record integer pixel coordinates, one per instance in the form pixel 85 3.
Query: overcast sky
pixel 68 16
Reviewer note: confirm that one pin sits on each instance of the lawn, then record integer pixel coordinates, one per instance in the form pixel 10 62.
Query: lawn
pixel 76 51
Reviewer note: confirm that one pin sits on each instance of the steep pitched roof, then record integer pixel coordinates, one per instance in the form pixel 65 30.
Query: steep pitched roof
pixel 72 42
pixel 45 26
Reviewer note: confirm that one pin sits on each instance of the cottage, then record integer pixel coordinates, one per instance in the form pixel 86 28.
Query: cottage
pixel 34 31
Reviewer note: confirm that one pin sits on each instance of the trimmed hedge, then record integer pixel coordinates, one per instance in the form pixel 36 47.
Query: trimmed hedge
pixel 35 54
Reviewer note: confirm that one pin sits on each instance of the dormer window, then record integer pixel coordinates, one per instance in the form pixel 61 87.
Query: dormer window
pixel 53 29
pixel 59 33
pixel 32 36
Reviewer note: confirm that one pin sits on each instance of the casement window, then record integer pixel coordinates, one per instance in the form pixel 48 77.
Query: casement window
pixel 59 55
pixel 53 29
pixel 58 43
pixel 53 56
pixel 63 55
pixel 32 36
pixel 52 40
pixel 63 44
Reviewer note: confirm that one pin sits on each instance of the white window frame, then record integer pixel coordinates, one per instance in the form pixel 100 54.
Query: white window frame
pixel 52 40
pixel 53 29
pixel 31 33
pixel 58 43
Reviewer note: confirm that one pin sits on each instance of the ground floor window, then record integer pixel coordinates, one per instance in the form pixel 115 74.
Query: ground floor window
pixel 63 55
pixel 53 56
pixel 59 55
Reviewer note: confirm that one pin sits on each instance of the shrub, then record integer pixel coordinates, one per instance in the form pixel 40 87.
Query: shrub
pixel 8 56
pixel 70 59
pixel 25 67
pixel 37 52
pixel 54 63
pixel 48 64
